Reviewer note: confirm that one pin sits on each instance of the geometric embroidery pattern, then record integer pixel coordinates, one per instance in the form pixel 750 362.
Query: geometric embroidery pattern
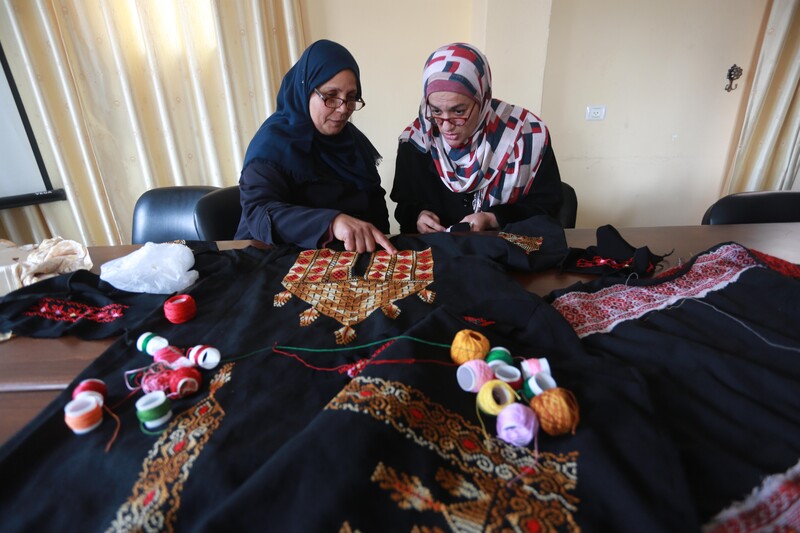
pixel 67 311
pixel 489 485
pixel 601 311
pixel 156 496
pixel 529 244
pixel 324 279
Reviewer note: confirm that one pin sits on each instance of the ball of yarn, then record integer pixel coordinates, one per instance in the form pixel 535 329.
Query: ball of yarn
pixel 467 345
pixel 557 410
pixel 494 396
pixel 517 424
pixel 472 374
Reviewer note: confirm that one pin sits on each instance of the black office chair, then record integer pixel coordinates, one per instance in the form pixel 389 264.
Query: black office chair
pixel 754 208
pixel 216 215
pixel 166 214
pixel 568 212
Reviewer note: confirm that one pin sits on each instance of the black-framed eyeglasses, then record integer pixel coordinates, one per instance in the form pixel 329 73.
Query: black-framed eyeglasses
pixel 455 121
pixel 334 102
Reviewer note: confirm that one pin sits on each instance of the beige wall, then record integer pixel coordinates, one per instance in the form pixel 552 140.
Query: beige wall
pixel 661 154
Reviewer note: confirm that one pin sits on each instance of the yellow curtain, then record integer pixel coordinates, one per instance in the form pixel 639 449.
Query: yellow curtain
pixel 768 153
pixel 127 95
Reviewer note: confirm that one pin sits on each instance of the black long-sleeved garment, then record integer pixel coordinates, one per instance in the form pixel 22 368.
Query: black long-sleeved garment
pixel 417 187
pixel 279 207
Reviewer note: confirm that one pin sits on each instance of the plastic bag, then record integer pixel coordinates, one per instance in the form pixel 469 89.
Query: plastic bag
pixel 153 268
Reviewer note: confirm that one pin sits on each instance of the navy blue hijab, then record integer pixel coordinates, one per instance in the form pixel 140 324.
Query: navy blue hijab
pixel 289 138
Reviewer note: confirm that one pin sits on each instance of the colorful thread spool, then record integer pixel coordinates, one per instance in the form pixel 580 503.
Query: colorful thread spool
pixel 156 378
pixel 509 374
pixel 557 410
pixel 531 367
pixel 517 424
pixel 172 357
pixel 153 409
pixel 537 384
pixel 93 387
pixel 83 414
pixel 472 374
pixel 150 343
pixel 499 356
pixel 467 345
pixel 494 396
pixel 184 381
pixel 180 308
pixel 204 356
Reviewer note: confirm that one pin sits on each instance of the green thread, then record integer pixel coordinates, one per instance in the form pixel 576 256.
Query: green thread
pixel 342 349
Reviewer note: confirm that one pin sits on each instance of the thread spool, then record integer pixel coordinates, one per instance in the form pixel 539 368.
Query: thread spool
pixel 509 374
pixel 539 383
pixel 467 345
pixel 153 409
pixel 204 356
pixel 172 357
pixel 494 396
pixel 150 343
pixel 93 387
pixel 472 374
pixel 517 424
pixel 499 355
pixel 180 308
pixel 531 367
pixel 557 410
pixel 184 381
pixel 83 414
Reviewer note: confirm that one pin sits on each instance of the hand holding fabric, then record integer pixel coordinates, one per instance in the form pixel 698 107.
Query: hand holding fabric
pixel 428 222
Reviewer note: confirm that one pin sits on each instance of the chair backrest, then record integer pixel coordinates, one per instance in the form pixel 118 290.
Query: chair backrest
pixel 568 212
pixel 166 214
pixel 755 208
pixel 216 215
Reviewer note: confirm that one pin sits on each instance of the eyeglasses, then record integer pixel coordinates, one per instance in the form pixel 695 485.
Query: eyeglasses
pixel 334 102
pixel 455 121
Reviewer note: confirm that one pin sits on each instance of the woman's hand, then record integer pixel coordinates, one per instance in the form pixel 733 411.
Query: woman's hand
pixel 481 221
pixel 428 222
pixel 359 236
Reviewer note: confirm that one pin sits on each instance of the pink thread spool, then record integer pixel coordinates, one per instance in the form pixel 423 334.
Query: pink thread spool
pixel 206 357
pixel 473 374
pixel 92 387
pixel 83 414
pixel 508 373
pixel 531 367
pixel 150 343
pixel 184 381
pixel 517 424
pixel 172 357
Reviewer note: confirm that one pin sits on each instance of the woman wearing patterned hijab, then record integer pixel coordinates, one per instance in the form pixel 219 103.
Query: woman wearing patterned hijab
pixel 468 157
pixel 309 175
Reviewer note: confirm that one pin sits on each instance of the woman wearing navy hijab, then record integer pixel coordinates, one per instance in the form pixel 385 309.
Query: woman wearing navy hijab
pixel 309 175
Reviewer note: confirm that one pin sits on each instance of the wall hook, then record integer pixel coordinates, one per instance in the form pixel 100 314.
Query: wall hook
pixel 734 73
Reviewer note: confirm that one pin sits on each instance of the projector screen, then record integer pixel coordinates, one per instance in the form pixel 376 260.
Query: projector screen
pixel 23 177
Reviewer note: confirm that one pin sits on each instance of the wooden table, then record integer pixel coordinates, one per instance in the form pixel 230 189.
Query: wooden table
pixel 34 371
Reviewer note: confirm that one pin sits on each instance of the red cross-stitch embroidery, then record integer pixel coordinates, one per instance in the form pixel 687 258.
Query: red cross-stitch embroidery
pixel 66 311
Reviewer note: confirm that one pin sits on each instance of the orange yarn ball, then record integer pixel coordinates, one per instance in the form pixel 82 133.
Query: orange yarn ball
pixel 468 345
pixel 557 409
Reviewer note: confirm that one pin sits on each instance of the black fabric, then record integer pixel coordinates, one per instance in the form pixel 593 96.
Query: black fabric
pixel 612 256
pixel 417 187
pixel 298 433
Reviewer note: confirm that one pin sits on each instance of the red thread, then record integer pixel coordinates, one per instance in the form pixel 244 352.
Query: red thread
pixel 184 381
pixel 180 308
pixel 91 386
pixel 156 378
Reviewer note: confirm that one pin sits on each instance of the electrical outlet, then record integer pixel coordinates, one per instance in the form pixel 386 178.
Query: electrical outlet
pixel 595 112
